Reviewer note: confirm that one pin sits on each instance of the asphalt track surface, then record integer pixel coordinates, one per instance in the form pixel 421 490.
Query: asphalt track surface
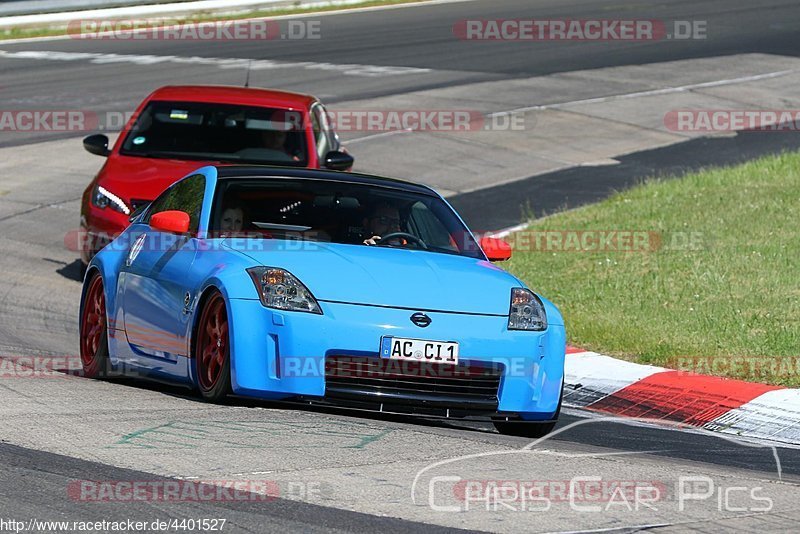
pixel 420 37
pixel 40 475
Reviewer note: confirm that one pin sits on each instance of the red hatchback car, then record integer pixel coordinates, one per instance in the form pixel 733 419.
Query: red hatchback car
pixel 177 129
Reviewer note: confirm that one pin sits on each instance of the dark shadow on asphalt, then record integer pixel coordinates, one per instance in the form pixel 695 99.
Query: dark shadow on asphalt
pixel 618 435
pixel 185 393
pixel 71 271
pixel 510 204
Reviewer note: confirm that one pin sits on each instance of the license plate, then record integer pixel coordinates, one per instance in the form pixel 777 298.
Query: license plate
pixel 422 350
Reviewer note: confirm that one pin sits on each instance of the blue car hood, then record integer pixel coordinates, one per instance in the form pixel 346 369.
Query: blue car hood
pixel 394 277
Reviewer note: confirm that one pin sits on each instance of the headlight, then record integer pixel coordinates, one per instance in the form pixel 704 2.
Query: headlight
pixel 527 311
pixel 280 289
pixel 103 198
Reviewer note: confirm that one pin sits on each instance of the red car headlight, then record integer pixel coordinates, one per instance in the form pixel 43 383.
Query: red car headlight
pixel 103 198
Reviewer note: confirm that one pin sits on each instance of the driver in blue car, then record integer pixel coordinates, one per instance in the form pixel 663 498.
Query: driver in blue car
pixel 383 220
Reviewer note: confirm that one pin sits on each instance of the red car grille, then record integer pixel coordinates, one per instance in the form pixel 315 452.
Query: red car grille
pixel 137 203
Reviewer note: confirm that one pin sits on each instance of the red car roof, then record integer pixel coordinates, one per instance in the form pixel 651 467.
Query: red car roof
pixel 226 94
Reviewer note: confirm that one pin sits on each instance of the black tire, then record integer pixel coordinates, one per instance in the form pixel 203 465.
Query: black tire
pixel 217 387
pixel 524 429
pixel 530 429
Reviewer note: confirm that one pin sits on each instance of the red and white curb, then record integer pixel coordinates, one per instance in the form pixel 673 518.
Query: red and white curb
pixel 605 384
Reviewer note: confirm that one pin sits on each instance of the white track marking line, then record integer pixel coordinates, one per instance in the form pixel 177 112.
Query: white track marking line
pixel 377 135
pixel 652 92
pixel 612 98
pixel 499 234
pixel 342 11
pixel 371 71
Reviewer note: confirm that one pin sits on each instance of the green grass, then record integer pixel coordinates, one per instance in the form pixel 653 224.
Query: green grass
pixel 733 296
pixel 61 29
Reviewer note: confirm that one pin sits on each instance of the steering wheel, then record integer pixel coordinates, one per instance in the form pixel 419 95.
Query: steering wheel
pixel 394 235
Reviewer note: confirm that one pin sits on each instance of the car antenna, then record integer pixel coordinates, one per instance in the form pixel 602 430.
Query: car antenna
pixel 247 79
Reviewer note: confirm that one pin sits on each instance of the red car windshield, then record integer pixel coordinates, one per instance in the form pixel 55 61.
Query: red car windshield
pixel 218 132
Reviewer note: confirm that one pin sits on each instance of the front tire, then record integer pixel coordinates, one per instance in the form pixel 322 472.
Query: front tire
pixel 530 429
pixel 212 350
pixel 94 331
pixel 524 429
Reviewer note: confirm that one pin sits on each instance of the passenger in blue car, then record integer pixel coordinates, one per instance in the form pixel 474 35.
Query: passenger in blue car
pixel 232 220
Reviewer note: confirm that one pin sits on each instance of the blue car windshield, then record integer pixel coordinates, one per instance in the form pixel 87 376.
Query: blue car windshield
pixel 218 132
pixel 339 212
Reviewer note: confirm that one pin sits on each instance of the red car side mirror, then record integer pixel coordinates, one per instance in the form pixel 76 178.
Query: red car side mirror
pixel 175 222
pixel 339 160
pixel 496 249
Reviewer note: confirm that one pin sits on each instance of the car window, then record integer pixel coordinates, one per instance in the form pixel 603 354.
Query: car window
pixel 186 195
pixel 424 223
pixel 338 212
pixel 218 132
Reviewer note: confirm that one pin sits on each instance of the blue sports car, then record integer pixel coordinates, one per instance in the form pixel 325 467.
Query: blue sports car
pixel 323 287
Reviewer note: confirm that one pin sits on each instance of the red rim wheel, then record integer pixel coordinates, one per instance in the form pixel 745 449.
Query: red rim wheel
pixel 213 349
pixel 94 340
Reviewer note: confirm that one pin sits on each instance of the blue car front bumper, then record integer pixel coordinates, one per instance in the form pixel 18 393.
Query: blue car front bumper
pixel 282 355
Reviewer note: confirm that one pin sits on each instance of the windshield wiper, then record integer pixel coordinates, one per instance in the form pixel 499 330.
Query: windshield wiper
pixel 178 155
pixel 284 227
